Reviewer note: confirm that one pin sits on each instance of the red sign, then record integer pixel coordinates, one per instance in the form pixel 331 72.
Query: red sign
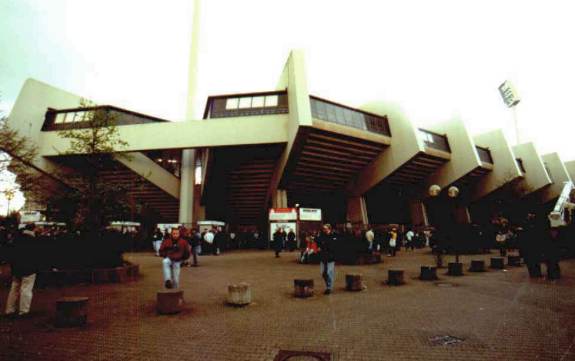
pixel 283 214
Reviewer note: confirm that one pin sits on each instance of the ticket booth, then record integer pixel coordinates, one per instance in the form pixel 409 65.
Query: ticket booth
pixel 285 218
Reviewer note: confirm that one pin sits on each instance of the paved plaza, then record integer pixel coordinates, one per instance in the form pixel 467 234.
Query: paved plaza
pixel 499 315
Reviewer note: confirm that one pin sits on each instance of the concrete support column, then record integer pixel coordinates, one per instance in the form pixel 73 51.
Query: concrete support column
pixel 187 182
pixel 357 210
pixel 280 199
pixel 418 213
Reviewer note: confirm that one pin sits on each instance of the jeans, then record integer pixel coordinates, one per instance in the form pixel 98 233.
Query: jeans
pixel 195 251
pixel 157 245
pixel 171 271
pixel 20 296
pixel 327 270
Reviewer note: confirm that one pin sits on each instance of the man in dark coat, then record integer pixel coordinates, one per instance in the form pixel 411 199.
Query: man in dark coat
pixel 24 257
pixel 174 250
pixel 279 238
pixel 327 243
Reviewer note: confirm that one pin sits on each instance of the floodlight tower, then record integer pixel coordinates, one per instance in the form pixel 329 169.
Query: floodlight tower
pixel 187 175
pixel 511 99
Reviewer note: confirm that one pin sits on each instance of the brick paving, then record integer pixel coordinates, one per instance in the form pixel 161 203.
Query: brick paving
pixel 500 315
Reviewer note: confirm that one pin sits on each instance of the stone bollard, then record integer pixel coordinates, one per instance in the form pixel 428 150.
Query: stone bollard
pixel 303 288
pixel 71 311
pixel 455 269
pixel 354 282
pixel 477 266
pixel 428 273
pixel 514 261
pixel 169 301
pixel 497 263
pixel 239 295
pixel 395 277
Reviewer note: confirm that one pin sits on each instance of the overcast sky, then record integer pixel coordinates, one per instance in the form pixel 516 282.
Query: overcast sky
pixel 437 59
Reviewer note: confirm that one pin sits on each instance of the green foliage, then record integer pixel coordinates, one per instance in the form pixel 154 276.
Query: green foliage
pixel 93 202
pixel 17 153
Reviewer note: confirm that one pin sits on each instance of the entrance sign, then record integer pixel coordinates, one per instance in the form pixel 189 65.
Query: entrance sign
pixel 310 214
pixel 283 214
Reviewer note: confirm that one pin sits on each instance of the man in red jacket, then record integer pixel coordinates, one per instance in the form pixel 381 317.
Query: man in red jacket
pixel 174 249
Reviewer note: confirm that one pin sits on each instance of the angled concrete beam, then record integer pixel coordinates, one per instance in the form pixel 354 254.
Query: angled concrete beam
pixel 558 174
pixel 404 145
pixel 140 164
pixel 505 168
pixel 535 176
pixel 293 78
pixel 570 166
pixel 464 158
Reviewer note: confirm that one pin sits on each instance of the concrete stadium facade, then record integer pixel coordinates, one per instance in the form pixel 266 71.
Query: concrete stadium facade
pixel 286 146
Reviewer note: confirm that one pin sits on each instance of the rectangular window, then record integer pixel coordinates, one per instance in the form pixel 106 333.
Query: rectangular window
pixel 257 102
pixel 245 103
pixel 60 118
pixel 232 103
pixel 271 101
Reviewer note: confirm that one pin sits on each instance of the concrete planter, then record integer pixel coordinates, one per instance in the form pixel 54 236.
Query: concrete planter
pixel 428 273
pixel 395 277
pixel 455 269
pixel 303 288
pixel 71 311
pixel 477 266
pixel 239 294
pixel 169 302
pixel 354 282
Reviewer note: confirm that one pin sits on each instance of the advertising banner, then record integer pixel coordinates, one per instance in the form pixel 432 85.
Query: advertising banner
pixel 310 214
pixel 283 214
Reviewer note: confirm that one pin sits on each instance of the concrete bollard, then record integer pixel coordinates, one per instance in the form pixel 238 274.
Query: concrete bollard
pixel 169 301
pixel 477 266
pixel 497 263
pixel 303 288
pixel 428 273
pixel 514 261
pixel 71 311
pixel 354 282
pixel 395 277
pixel 239 294
pixel 455 269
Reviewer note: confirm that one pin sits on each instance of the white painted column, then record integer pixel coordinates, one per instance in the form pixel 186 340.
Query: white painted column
pixel 187 180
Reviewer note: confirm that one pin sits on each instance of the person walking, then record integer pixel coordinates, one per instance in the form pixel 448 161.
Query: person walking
pixel 158 237
pixel 174 249
pixel 326 243
pixel 409 238
pixel 196 244
pixel 24 258
pixel 369 237
pixel 392 242
pixel 279 238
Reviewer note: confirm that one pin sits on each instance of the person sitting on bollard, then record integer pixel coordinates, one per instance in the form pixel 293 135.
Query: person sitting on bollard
pixel 310 250
pixel 327 242
pixel 174 250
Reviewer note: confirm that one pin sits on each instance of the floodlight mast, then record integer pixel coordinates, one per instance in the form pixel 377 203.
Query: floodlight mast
pixel 511 99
